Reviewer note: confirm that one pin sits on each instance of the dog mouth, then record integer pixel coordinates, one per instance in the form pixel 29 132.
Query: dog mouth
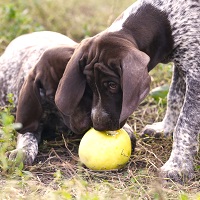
pixel 109 125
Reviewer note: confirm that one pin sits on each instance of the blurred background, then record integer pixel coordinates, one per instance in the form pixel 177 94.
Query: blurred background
pixel 75 18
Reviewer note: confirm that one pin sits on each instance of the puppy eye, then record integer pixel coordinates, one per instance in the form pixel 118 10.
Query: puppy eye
pixel 112 85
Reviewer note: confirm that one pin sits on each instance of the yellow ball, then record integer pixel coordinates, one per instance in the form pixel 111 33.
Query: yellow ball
pixel 105 150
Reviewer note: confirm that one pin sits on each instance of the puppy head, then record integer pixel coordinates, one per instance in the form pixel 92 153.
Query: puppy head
pixel 116 73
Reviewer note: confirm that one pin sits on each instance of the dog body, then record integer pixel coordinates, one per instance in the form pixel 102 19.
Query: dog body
pixel 31 68
pixel 115 63
pixel 21 56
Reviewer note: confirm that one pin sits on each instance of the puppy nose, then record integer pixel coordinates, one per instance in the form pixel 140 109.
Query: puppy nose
pixel 102 121
pixel 105 124
pixel 99 127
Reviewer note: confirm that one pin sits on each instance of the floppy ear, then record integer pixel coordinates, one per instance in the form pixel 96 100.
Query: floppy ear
pixel 135 81
pixel 29 109
pixel 72 85
pixel 44 77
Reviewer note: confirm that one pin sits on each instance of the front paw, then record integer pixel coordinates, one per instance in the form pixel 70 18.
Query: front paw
pixel 131 134
pixel 19 156
pixel 155 130
pixel 180 174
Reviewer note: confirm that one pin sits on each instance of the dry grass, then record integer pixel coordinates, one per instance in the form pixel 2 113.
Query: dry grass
pixel 57 172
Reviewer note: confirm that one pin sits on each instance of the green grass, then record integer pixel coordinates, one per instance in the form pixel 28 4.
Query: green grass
pixel 57 172
pixel 74 18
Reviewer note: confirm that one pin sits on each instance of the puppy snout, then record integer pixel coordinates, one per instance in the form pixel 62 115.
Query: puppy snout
pixel 102 121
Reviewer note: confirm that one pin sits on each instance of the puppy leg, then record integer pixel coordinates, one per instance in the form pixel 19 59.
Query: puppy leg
pixel 129 130
pixel 185 137
pixel 174 105
pixel 27 148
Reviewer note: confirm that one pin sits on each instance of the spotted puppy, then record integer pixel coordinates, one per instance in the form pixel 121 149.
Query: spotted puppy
pixel 30 69
pixel 114 65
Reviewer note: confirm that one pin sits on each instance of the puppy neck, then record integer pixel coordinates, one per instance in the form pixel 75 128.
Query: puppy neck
pixel 149 27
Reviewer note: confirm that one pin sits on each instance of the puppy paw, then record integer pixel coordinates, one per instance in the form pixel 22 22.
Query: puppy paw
pixel 129 130
pixel 180 174
pixel 155 130
pixel 19 156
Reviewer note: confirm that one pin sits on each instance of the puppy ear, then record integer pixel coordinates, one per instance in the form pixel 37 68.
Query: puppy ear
pixel 72 85
pixel 44 79
pixel 135 81
pixel 29 109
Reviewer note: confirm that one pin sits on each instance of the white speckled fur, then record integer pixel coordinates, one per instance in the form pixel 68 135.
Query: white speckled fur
pixel 15 55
